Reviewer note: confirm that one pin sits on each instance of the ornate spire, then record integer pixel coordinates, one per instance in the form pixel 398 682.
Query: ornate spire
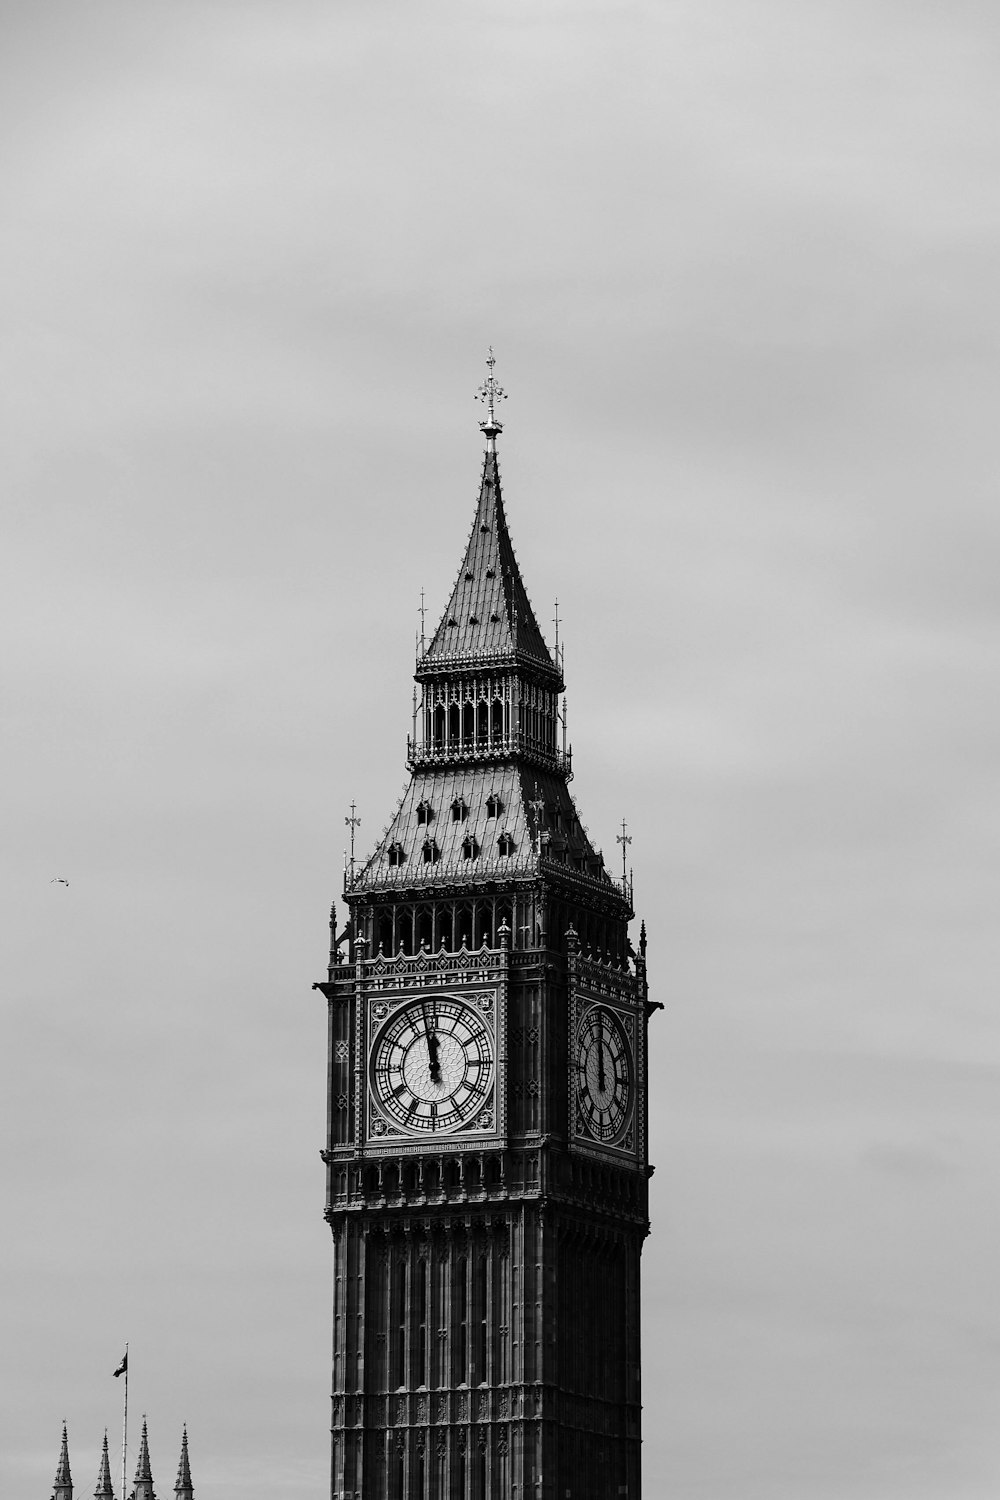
pixel 489 620
pixel 105 1489
pixel 143 1473
pixel 491 393
pixel 184 1489
pixel 62 1489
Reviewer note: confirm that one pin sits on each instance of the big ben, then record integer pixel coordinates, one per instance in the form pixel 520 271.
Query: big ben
pixel 486 1150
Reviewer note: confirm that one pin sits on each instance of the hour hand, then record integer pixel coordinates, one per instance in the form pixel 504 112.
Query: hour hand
pixel 432 1051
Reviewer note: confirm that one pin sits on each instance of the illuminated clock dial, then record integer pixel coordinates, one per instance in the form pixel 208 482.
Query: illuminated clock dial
pixel 432 1065
pixel 603 1074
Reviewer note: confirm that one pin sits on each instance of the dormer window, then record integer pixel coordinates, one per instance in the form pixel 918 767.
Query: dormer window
pixel 424 812
pixel 459 810
pixel 473 619
pixel 397 854
pixel 430 853
pixel 470 849
pixel 494 807
pixel 505 845
pixel 469 576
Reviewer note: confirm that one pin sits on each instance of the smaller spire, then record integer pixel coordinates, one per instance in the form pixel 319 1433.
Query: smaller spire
pixel 105 1489
pixel 62 1489
pixel 184 1489
pixel 143 1473
pixel 491 393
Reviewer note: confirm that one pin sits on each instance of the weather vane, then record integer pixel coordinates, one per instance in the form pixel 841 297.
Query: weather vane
pixel 353 822
pixel 624 838
pixel 491 394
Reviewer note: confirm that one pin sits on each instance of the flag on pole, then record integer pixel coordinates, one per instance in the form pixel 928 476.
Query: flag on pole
pixel 123 1367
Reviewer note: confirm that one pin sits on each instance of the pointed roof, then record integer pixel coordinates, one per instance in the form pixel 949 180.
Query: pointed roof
pixel 184 1488
pixel 479 823
pixel 489 618
pixel 63 1483
pixel 143 1473
pixel 142 1469
pixel 105 1489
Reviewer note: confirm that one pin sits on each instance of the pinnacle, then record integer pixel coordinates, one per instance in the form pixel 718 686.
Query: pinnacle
pixel 105 1489
pixel 184 1488
pixel 63 1479
pixel 142 1469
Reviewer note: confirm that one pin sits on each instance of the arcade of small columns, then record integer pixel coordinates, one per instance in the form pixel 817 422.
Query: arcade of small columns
pixel 495 713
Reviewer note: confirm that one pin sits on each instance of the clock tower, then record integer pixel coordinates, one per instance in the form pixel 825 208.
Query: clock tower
pixel 486 1150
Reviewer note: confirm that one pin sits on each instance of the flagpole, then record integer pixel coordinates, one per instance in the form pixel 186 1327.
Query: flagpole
pixel 125 1422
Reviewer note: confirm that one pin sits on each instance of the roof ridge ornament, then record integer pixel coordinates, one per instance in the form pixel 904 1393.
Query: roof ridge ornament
pixel 491 393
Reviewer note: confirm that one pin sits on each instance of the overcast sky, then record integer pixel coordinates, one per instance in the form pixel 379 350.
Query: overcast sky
pixel 739 265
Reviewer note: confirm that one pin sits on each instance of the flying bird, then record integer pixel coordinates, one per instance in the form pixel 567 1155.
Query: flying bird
pixel 58 880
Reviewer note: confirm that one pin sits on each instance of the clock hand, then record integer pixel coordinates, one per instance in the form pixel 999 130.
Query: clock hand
pixel 600 1051
pixel 432 1047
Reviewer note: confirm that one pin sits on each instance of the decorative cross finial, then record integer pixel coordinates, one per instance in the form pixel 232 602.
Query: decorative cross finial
pixel 353 822
pixel 491 394
pixel 624 838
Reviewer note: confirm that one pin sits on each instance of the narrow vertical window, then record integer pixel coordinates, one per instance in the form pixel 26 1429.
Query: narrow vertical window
pixel 463 1320
pixel 400 1323
pixel 480 1306
pixel 422 1333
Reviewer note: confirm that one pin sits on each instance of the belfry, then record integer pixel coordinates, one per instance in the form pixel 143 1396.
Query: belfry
pixel 486 1149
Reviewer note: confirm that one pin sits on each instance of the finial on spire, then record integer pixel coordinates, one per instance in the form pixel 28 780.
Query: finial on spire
pixel 353 823
pixel 491 393
pixel 624 838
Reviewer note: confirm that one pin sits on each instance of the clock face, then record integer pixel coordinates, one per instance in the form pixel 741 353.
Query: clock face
pixel 603 1074
pixel 432 1065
